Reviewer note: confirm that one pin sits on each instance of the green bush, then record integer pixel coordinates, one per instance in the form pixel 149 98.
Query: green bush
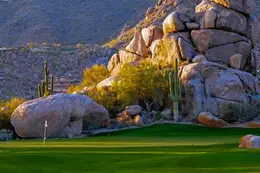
pixel 91 77
pixel 241 112
pixel 145 83
pixel 6 110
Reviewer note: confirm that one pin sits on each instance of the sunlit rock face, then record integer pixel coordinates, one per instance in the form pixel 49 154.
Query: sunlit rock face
pixel 217 42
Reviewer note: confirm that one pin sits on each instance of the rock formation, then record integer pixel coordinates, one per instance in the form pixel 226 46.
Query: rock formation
pixel 64 114
pixel 219 42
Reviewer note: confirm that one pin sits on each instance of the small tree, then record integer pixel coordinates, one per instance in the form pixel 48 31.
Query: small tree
pixel 146 83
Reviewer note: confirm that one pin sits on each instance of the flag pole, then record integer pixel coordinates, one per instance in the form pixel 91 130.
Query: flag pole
pixel 44 134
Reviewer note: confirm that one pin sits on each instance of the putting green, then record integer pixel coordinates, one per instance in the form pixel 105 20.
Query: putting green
pixel 162 148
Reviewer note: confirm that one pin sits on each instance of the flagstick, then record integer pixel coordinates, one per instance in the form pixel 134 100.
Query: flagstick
pixel 44 135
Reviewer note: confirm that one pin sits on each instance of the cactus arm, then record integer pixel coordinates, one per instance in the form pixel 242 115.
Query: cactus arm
pixel 52 84
pixel 43 88
pixel 46 76
pixel 39 91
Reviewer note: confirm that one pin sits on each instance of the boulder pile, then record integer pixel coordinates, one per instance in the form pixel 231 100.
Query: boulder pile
pixel 219 46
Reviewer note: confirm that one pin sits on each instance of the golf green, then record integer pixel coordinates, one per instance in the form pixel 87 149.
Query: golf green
pixel 163 148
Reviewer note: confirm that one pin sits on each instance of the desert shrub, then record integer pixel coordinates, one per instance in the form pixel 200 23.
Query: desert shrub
pixel 6 112
pixel 91 77
pixel 145 83
pixel 241 112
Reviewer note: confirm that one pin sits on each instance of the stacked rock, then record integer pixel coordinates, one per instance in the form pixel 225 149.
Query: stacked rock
pixel 220 44
pixel 227 32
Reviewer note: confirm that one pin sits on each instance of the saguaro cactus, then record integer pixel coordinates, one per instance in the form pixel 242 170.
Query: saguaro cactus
pixel 175 90
pixel 46 88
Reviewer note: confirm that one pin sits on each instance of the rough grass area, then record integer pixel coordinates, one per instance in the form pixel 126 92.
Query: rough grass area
pixel 160 148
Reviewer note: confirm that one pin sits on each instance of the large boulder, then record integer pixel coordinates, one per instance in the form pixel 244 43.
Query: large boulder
pixel 174 46
pixel 249 141
pixel 133 110
pixel 210 120
pixel 172 23
pixel 125 57
pixel 211 87
pixel 137 45
pixel 151 33
pixel 186 7
pixel 205 39
pixel 64 114
pixel 227 19
pixel 224 53
pixel 243 6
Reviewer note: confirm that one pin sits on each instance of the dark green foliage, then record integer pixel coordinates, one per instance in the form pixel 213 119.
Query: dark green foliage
pixel 46 86
pixel 241 112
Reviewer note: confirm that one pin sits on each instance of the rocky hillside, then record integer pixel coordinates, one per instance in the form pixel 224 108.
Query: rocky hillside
pixel 155 16
pixel 69 22
pixel 21 70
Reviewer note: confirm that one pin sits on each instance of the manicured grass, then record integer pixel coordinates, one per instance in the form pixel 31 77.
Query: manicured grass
pixel 160 148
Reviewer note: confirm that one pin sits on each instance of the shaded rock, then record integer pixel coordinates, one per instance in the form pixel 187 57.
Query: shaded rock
pixel 243 6
pixel 63 112
pixel 205 39
pixel 186 49
pixel 227 19
pixel 184 18
pixel 249 141
pixel 137 45
pixel 253 30
pixel 186 7
pixel 199 58
pixel 151 34
pixel 255 60
pixel 167 114
pixel 235 61
pixel 192 25
pixel 133 110
pixel 210 120
pixel 210 87
pixel 223 53
pixel 172 23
